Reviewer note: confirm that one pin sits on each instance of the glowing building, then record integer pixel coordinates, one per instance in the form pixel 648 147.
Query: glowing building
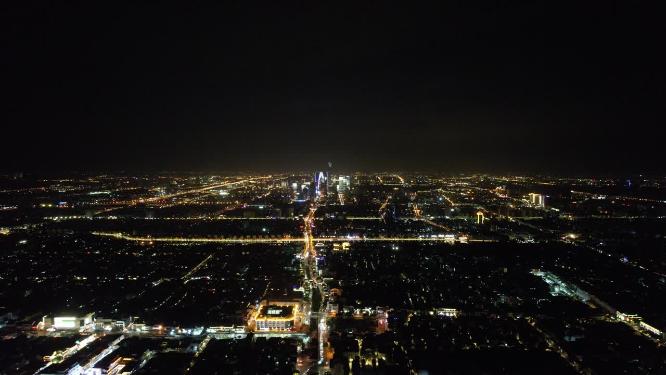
pixel 343 184
pixel 480 218
pixel 538 200
pixel 320 184
pixel 67 322
pixel 277 316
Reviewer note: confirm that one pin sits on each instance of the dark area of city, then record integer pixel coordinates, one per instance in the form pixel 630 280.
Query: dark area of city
pixel 363 188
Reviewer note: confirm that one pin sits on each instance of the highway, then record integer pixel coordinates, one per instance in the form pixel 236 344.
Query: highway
pixel 311 274
pixel 197 267
pixel 181 193
pixel 277 240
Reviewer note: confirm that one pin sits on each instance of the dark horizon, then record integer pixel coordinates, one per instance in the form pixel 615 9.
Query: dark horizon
pixel 573 89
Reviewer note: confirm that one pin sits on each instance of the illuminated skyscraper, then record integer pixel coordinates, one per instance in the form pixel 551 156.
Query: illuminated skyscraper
pixel 343 184
pixel 342 188
pixel 538 200
pixel 480 217
pixel 320 184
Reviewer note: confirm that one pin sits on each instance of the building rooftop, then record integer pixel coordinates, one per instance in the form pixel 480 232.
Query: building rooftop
pixel 275 311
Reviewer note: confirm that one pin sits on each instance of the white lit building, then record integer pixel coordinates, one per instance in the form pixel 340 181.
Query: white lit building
pixel 538 200
pixel 68 322
pixel 277 316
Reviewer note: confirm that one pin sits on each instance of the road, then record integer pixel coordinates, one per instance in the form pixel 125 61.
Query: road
pixel 204 189
pixel 274 240
pixel 311 274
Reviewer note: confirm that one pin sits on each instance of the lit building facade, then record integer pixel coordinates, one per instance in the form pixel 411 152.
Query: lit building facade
pixel 344 182
pixel 320 184
pixel 538 200
pixel 277 316
pixel 67 322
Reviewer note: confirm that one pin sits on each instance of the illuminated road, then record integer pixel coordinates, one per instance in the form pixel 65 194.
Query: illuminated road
pixel 197 267
pixel 398 177
pixel 430 222
pixel 308 221
pixel 451 202
pixel 383 206
pixel 187 192
pixel 311 272
pixel 279 240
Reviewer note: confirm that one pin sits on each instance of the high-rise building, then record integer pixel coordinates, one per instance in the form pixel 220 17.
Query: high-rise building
pixel 480 217
pixel 320 184
pixel 538 200
pixel 343 184
pixel 342 188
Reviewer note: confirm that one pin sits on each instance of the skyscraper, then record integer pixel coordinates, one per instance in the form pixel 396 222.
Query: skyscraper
pixel 538 200
pixel 343 188
pixel 343 184
pixel 320 184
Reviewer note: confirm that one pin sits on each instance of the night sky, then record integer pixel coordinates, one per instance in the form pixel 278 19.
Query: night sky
pixel 573 87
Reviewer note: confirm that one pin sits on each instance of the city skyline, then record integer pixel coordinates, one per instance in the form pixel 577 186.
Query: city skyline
pixel 328 273
pixel 332 188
